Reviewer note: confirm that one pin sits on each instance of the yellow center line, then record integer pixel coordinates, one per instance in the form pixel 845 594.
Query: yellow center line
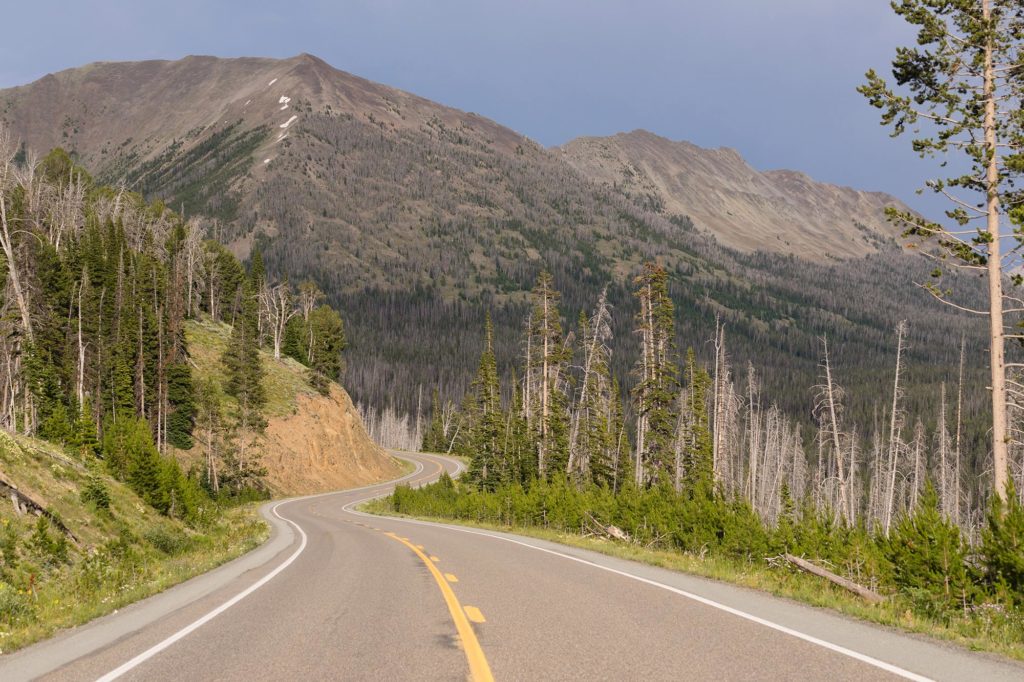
pixel 473 613
pixel 434 559
pixel 450 577
pixel 479 670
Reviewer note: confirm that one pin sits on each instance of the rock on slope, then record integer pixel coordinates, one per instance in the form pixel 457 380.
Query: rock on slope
pixel 781 211
pixel 323 446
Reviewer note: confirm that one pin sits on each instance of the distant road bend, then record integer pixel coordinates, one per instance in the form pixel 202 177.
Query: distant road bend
pixel 338 594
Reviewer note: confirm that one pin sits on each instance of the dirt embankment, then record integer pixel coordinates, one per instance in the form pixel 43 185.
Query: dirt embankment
pixel 323 446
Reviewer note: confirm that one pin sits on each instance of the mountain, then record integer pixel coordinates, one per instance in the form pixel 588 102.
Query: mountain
pixel 780 211
pixel 415 218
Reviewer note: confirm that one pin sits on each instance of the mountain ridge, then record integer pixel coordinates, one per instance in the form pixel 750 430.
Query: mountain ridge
pixel 780 210
pixel 119 115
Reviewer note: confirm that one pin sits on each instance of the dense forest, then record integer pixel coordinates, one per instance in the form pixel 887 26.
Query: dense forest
pixel 98 285
pixel 716 425
pixel 711 464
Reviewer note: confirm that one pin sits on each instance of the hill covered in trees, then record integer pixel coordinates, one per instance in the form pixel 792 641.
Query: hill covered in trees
pixel 100 290
pixel 413 218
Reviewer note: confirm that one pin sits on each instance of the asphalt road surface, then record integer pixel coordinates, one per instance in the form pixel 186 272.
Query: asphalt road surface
pixel 339 595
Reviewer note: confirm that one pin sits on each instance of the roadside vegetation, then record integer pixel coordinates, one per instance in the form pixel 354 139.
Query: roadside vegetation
pixel 139 362
pixel 697 468
pixel 97 545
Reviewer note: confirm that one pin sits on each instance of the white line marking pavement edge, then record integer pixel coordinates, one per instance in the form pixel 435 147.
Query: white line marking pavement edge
pixel 195 625
pixel 864 658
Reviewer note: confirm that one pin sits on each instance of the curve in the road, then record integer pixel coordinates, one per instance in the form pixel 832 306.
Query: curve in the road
pixel 338 593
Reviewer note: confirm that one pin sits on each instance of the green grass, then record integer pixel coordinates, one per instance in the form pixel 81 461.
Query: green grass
pixel 121 554
pixel 992 630
pixel 285 379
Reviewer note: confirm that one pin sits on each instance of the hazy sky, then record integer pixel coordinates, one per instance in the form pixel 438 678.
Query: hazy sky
pixel 774 79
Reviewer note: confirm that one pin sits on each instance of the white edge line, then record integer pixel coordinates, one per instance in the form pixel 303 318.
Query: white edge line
pixel 864 658
pixel 195 625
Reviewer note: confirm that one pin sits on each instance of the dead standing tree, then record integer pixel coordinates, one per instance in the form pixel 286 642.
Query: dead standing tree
pixel 276 306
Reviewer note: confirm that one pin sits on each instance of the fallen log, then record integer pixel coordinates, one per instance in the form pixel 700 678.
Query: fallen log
pixel 613 532
pixel 859 590
pixel 25 503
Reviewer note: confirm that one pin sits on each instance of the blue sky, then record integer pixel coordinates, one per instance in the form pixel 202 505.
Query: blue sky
pixel 774 80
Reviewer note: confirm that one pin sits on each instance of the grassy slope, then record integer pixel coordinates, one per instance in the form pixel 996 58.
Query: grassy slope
pixel 122 555
pixel 284 380
pixel 996 632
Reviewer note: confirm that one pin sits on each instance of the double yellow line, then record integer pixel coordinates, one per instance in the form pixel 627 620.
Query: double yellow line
pixel 479 670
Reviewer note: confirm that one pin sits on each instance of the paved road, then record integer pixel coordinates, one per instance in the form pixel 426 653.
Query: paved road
pixel 339 595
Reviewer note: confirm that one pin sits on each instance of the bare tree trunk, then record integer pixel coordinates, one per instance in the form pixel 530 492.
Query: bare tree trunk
pixel 895 423
pixel 81 349
pixel 959 428
pixel 7 243
pixel 834 421
pixel 1000 432
pixel 719 342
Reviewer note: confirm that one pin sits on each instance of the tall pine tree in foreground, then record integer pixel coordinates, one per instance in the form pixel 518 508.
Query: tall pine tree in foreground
pixel 958 93
pixel 487 466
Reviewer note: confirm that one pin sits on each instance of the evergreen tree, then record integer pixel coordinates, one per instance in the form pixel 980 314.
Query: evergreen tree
pixel 546 379
pixel 487 467
pixel 1002 545
pixel 244 373
pixel 179 395
pixel 958 92
pixel 655 391
pixel 695 431
pixel 325 342
pixel 84 440
pixel 927 554
pixel 434 439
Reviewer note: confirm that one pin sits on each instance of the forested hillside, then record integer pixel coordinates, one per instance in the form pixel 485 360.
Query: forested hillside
pixel 413 217
pixel 100 286
pixel 127 440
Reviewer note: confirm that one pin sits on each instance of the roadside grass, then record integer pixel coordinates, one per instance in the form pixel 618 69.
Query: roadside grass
pixel 990 629
pixel 121 550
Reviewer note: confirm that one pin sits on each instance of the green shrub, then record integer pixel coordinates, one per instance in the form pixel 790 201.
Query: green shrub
pixel 168 541
pixel 1002 547
pixel 927 553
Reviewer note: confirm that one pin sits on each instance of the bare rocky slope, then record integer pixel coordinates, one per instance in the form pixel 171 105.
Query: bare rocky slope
pixel 215 134
pixel 782 211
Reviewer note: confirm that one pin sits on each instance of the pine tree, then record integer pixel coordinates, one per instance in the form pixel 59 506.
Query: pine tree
pixel 695 431
pixel 959 93
pixel 546 379
pixel 179 396
pixel 434 439
pixel 84 440
pixel 244 375
pixel 654 394
pixel 487 467
pixel 1002 545
pixel 928 553
pixel 324 343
